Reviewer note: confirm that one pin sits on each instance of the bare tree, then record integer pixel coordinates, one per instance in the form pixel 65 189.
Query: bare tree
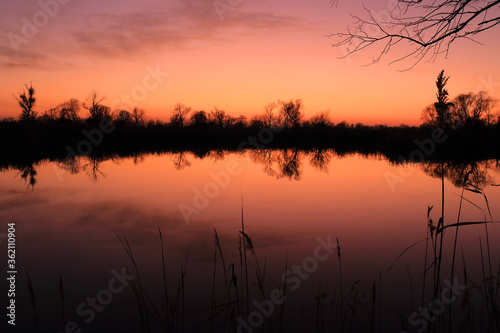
pixel 138 116
pixel 102 112
pixel 219 117
pixel 473 109
pixel 123 116
pixel 51 114
pixel 486 104
pixel 199 119
pixel 429 116
pixel 179 116
pixel 321 120
pixel 26 101
pixel 269 118
pixel 69 110
pixel 240 121
pixel 429 26
pixel 93 103
pixel 290 113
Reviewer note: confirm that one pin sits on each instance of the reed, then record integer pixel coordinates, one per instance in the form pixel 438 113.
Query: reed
pixel 137 288
pixel 341 288
pixel 166 313
pixel 61 294
pixel 355 312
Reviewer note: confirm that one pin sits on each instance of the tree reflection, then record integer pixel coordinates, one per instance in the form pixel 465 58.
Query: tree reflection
pixel 265 157
pixel 289 164
pixel 28 174
pixel 138 157
pixel 217 155
pixel 180 160
pixel 92 168
pixel 71 165
pixel 320 159
pixel 462 174
pixel 279 163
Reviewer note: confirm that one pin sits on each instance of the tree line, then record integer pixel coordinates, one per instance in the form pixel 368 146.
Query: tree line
pixel 468 110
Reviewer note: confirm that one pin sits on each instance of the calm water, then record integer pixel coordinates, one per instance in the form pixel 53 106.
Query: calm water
pixel 68 220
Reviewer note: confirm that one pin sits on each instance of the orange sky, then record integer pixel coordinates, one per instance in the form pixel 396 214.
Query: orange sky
pixel 260 52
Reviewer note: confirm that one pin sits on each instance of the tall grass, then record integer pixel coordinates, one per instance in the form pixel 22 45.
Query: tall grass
pixel 355 309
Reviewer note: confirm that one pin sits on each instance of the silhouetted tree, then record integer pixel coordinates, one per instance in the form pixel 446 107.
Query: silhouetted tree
pixel 240 122
pixel 26 101
pixel 257 121
pixel 269 117
pixel 199 119
pixel 138 116
pixel 470 110
pixel 51 114
pixel 102 112
pixel 429 26
pixel 484 106
pixel 69 110
pixel 320 120
pixel 179 117
pixel 290 113
pixel 473 109
pixel 66 111
pixel 218 117
pixel 93 103
pixel 123 117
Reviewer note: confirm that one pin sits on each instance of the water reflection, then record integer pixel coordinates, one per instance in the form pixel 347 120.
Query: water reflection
pixel 138 157
pixel 320 159
pixel 71 165
pixel 180 160
pixel 463 174
pixel 281 164
pixel 81 219
pixel 92 168
pixel 28 174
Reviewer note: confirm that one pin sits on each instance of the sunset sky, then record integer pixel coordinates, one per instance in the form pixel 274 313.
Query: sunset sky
pixel 258 52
